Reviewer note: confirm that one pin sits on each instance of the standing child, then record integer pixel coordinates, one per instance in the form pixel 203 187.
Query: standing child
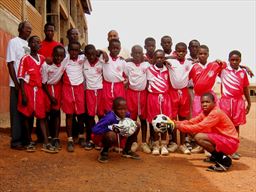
pixel 234 85
pixel 73 93
pixel 137 93
pixel 31 97
pixel 150 46
pixel 179 70
pixel 158 98
pixel 113 73
pixel 104 136
pixel 93 90
pixel 166 44
pixel 52 85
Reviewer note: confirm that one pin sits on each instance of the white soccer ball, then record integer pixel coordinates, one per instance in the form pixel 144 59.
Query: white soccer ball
pixel 161 123
pixel 127 127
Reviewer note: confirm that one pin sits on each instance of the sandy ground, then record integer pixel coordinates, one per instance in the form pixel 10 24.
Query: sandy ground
pixel 80 171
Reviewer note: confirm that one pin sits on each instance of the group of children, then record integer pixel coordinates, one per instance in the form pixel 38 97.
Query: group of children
pixel 145 85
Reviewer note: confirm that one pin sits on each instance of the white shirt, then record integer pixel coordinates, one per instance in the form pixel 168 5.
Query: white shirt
pixel 113 70
pixel 51 74
pixel 16 49
pixel 179 73
pixel 137 75
pixel 93 75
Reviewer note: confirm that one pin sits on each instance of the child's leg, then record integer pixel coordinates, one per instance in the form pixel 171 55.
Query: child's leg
pixel 156 146
pixel 143 130
pixel 89 125
pixel 69 123
pixel 164 150
pixel 130 140
pixel 81 136
pixel 43 130
pixel 109 139
pixel 27 129
pixel 55 118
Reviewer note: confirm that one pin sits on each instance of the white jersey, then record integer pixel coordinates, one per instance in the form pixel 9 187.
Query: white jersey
pixel 74 70
pixel 113 70
pixel 51 74
pixel 137 75
pixel 93 74
pixel 179 73
pixel 16 49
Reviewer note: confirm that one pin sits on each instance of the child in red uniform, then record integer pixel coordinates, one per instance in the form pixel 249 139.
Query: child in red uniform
pixel 214 131
pixel 73 93
pixel 93 75
pixel 158 98
pixel 150 46
pixel 52 85
pixel 137 93
pixel 234 85
pixel 31 97
pixel 113 73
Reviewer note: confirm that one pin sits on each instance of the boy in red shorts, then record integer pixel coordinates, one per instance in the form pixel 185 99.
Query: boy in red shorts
pixel 214 131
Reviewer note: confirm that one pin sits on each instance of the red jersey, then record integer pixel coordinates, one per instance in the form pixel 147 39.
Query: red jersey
pixel 46 48
pixel 30 70
pixel 233 82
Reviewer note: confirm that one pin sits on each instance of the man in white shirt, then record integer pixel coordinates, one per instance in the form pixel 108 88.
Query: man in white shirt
pixel 16 49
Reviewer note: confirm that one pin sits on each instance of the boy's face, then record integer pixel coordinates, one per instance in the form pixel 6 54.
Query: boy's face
pixel 49 32
pixel 137 54
pixel 59 56
pixel 74 51
pixel 121 109
pixel 194 48
pixel 159 59
pixel 207 104
pixel 34 44
pixel 150 47
pixel 234 61
pixel 181 52
pixel 114 49
pixel 166 44
pixel 203 55
pixel 91 55
pixel 73 35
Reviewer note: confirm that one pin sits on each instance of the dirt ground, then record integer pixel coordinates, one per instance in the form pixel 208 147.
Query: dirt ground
pixel 80 171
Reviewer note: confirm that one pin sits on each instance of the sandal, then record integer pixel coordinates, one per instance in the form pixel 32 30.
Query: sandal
pixel 31 147
pixel 217 168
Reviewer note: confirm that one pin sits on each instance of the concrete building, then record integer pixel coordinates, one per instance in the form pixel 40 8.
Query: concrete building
pixel 63 13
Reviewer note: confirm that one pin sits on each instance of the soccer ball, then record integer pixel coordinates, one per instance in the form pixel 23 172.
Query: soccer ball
pixel 126 127
pixel 161 123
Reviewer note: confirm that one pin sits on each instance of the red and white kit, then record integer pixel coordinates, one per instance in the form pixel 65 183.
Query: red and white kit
pixel 179 78
pixel 73 87
pixel 232 102
pixel 93 74
pixel 136 93
pixel 51 75
pixel 204 77
pixel 113 84
pixel 30 72
pixel 158 101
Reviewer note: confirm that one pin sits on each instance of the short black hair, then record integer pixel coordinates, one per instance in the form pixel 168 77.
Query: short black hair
pixel 89 47
pixel 235 52
pixel 74 43
pixel 116 102
pixel 149 39
pixel 48 24
pixel 114 41
pixel 58 47
pixel 158 50
pixel 32 37
pixel 204 47
pixel 210 95
pixel 166 36
pixel 180 44
pixel 194 40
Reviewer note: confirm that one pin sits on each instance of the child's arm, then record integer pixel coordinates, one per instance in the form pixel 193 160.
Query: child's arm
pixel 104 55
pixel 248 99
pixel 52 99
pixel 248 70
pixel 23 94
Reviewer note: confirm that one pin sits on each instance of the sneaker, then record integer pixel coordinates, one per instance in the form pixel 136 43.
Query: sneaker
pixel 56 143
pixel 164 150
pixel 207 154
pixel 197 149
pixel 31 147
pixel 217 168
pixel 183 149
pixel 117 149
pixel 131 154
pixel 235 156
pixel 81 142
pixel 88 145
pixel 134 146
pixel 103 158
pixel 145 148
pixel 97 147
pixel 210 159
pixel 172 147
pixel 189 146
pixel 70 146
pixel 48 148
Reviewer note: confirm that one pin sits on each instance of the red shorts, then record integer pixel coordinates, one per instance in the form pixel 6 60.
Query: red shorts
pixel 73 99
pixel 180 101
pixel 56 92
pixel 235 109
pixel 97 140
pixel 224 144
pixel 137 103
pixel 35 102
pixel 158 104
pixel 110 92
pixel 94 104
